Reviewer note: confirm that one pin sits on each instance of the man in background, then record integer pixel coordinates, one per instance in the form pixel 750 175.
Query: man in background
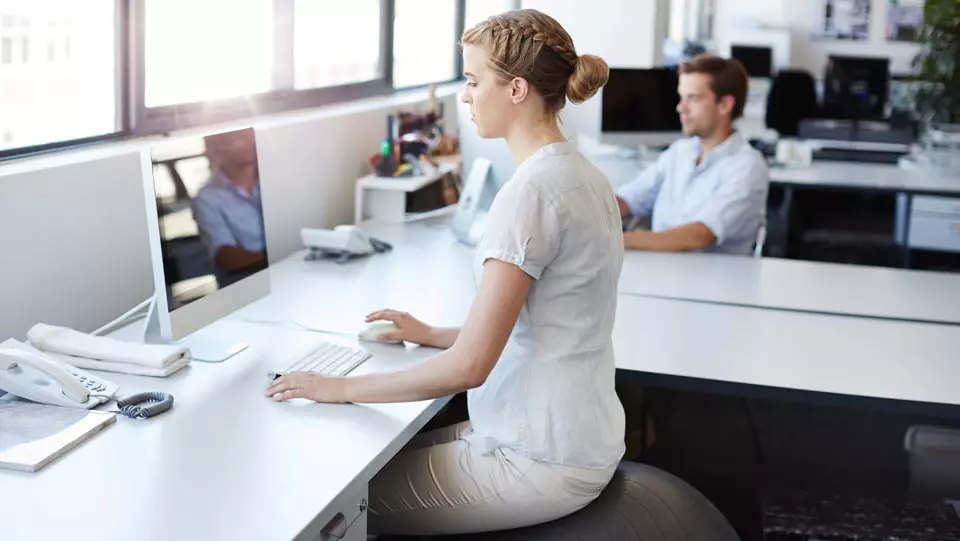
pixel 708 191
pixel 228 209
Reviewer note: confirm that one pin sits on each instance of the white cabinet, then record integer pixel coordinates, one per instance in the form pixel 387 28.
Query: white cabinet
pixel 935 223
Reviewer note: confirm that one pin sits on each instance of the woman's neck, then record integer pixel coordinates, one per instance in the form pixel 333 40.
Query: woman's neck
pixel 526 138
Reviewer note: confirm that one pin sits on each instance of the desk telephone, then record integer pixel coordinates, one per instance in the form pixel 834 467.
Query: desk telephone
pixel 31 374
pixel 343 242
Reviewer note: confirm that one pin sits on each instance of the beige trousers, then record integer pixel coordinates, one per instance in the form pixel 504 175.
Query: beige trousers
pixel 440 485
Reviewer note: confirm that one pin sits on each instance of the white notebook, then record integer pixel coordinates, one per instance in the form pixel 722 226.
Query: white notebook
pixel 33 435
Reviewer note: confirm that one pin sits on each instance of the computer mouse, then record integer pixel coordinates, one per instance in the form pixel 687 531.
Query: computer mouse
pixel 371 333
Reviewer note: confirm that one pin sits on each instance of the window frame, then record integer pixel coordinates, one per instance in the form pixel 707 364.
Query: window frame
pixel 135 120
pixel 121 92
pixel 150 121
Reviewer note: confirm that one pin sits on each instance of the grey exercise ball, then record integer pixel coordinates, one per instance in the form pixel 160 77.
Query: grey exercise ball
pixel 641 503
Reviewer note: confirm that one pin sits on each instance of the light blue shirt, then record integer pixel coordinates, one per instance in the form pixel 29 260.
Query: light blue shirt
pixel 229 216
pixel 727 192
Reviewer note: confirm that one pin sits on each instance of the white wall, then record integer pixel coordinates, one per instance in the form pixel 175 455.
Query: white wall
pixel 626 33
pixel 73 232
pixel 731 14
pixel 800 17
pixel 312 163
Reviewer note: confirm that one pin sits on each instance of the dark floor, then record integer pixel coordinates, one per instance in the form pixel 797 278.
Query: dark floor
pixel 739 453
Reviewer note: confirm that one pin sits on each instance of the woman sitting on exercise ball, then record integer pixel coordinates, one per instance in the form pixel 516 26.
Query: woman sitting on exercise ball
pixel 546 429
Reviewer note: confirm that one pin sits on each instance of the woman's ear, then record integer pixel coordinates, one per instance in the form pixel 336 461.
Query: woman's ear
pixel 519 90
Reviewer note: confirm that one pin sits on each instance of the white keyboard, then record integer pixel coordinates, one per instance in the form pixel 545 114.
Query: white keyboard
pixel 328 359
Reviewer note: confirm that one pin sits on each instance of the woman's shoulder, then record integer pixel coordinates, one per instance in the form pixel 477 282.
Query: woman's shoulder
pixel 559 174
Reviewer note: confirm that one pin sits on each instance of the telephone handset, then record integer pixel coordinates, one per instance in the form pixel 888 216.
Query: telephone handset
pixel 29 373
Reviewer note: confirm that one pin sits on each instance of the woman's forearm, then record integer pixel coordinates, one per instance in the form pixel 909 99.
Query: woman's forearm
pixel 443 337
pixel 443 374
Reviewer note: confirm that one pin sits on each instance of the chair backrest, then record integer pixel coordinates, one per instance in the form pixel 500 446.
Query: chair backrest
pixel 792 98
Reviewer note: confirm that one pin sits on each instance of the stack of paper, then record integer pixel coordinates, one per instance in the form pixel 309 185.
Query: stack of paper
pixel 32 435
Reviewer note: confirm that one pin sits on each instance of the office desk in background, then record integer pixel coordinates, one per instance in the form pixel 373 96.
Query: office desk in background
pixel 786 284
pixel 925 212
pixel 866 176
pixel 777 354
pixel 927 202
pixel 229 463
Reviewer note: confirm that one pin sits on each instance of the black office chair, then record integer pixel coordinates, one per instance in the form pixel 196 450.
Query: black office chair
pixel 792 98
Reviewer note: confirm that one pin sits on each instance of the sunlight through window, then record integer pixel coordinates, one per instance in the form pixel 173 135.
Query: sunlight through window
pixel 207 50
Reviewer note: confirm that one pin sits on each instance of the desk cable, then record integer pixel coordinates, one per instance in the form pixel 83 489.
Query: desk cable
pixel 299 326
pixel 132 406
pixel 137 312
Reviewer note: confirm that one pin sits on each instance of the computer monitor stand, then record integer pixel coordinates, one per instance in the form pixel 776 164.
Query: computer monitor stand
pixel 202 348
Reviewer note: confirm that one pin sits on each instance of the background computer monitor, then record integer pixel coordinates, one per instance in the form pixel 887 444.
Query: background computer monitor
pixel 195 283
pixel 639 106
pixel 757 60
pixel 855 87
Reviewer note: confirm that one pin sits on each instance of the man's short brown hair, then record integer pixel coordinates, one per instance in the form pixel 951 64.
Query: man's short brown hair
pixel 727 78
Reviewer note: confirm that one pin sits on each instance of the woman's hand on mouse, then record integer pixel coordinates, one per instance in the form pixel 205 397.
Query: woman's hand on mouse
pixel 409 328
pixel 309 385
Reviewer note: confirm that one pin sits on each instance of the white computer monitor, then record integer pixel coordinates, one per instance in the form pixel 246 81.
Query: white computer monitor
pixel 207 237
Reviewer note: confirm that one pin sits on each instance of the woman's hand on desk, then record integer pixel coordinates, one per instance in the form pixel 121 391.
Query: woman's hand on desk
pixel 307 385
pixel 411 329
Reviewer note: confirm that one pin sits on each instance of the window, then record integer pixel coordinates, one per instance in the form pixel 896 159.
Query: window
pixel 103 68
pixel 336 43
pixel 676 31
pixel 478 10
pixel 42 103
pixel 691 20
pixel 206 50
pixel 424 42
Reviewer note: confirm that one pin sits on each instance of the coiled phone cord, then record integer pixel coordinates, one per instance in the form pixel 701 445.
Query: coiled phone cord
pixel 131 406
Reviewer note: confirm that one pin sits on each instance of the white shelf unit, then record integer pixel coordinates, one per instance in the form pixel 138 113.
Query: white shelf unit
pixel 385 198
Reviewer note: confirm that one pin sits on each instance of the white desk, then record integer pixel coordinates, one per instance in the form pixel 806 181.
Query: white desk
pixel 861 357
pixel 795 285
pixel 866 176
pixel 227 463
pixel 864 357
pixel 821 174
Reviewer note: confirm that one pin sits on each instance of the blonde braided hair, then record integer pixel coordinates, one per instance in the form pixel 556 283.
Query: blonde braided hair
pixel 530 44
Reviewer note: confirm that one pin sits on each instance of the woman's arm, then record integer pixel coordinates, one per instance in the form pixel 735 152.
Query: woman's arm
pixel 465 365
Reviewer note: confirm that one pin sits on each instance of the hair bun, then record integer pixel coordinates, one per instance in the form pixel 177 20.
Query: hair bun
pixel 589 75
